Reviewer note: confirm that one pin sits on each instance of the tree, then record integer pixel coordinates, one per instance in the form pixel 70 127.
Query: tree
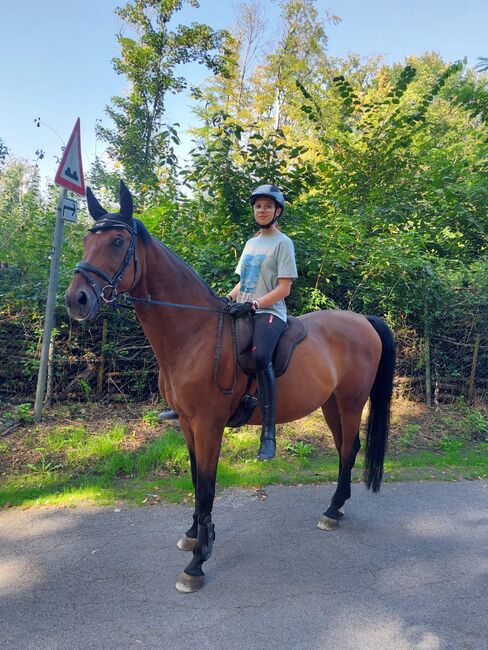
pixel 140 140
pixel 482 64
pixel 300 54
pixel 3 152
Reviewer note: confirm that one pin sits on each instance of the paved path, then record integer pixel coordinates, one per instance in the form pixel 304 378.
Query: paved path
pixel 407 569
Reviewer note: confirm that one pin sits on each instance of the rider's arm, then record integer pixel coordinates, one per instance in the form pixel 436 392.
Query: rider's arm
pixel 281 291
pixel 233 294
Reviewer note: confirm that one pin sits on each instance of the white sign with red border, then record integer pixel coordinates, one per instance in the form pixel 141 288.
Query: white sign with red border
pixel 70 171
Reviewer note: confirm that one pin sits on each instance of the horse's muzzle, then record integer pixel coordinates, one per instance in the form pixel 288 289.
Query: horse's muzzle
pixel 82 304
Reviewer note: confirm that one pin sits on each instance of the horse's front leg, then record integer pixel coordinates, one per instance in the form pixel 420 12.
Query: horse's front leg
pixel 189 539
pixel 207 436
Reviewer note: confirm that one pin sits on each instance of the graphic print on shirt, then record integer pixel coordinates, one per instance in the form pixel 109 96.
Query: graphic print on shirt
pixel 251 270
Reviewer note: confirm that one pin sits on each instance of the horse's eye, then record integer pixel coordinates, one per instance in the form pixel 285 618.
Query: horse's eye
pixel 118 243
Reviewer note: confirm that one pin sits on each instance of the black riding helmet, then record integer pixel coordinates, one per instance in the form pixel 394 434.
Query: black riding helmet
pixel 270 192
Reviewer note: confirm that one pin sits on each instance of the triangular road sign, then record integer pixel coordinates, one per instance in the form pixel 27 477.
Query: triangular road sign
pixel 70 171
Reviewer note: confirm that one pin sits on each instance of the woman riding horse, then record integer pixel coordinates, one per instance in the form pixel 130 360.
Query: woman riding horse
pixel 345 359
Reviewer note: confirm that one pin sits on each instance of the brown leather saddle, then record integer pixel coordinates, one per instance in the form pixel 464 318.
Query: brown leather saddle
pixel 291 337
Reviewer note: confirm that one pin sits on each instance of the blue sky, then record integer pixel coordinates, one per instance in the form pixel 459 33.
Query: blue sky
pixel 56 57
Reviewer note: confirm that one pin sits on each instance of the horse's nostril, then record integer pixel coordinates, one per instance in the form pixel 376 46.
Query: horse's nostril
pixel 81 298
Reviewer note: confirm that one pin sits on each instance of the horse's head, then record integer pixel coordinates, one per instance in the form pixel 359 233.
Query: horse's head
pixel 109 265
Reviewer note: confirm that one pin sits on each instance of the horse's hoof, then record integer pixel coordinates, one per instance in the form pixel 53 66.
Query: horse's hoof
pixel 186 543
pixel 187 584
pixel 326 523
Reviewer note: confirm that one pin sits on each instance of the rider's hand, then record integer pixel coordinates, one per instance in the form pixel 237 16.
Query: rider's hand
pixel 238 309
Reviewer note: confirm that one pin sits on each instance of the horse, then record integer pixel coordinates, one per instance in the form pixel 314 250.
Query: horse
pixel 345 359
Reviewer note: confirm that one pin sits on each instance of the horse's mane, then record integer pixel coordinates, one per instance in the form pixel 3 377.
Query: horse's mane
pixel 143 232
pixel 147 238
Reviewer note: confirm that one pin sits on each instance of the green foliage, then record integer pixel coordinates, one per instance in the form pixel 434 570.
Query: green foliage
pixel 300 449
pixel 19 412
pixel 43 468
pixel 409 431
pixel 151 416
pixel 451 443
pixel 3 151
pixel 384 168
pixel 140 140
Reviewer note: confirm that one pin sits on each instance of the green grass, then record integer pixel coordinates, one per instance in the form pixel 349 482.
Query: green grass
pixel 105 464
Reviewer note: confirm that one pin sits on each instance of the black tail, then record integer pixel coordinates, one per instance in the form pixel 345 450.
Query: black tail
pixel 379 413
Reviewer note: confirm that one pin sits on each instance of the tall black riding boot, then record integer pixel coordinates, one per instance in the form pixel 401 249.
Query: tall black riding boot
pixel 267 402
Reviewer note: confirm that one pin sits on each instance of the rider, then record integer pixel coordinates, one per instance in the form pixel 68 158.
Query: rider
pixel 267 269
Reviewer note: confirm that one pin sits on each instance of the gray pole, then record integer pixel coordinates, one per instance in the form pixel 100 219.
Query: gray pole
pixel 50 306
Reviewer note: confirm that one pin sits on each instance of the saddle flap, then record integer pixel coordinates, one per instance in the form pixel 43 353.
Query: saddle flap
pixel 291 337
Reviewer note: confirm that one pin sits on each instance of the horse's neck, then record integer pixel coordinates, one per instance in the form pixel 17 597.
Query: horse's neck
pixel 169 329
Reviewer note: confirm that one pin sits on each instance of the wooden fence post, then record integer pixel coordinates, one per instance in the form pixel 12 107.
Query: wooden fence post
pixel 474 363
pixel 428 377
pixel 101 367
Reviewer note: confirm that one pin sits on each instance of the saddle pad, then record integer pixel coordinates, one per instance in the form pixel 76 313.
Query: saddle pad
pixel 291 337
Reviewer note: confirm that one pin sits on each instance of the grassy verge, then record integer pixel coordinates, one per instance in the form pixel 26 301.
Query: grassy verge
pixel 81 458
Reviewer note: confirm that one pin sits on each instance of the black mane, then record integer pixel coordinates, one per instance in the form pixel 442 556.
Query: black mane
pixel 143 232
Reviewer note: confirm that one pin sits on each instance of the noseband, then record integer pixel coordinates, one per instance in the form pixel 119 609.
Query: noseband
pixel 112 280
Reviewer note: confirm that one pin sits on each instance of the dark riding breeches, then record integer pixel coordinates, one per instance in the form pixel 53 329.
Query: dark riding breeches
pixel 267 330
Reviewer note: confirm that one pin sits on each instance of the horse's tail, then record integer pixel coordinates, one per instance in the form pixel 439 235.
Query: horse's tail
pixel 379 413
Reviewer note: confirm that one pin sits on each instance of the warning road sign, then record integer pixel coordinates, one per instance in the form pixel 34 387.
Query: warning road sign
pixel 70 171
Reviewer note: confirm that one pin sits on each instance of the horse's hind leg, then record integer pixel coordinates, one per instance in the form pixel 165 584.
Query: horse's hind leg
pixel 344 424
pixel 333 418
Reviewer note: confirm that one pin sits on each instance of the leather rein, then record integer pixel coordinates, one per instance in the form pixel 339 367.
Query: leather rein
pixel 113 280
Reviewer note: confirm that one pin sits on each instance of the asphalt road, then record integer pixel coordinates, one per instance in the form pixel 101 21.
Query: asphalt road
pixel 406 569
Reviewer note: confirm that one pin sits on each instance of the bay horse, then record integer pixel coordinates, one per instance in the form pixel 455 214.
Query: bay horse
pixel 345 359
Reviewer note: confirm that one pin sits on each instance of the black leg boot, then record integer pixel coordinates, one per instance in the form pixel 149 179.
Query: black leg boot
pixel 267 402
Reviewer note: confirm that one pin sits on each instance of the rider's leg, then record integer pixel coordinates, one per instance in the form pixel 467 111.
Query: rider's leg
pixel 267 330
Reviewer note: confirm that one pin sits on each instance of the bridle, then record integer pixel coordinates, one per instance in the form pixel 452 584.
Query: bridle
pixel 112 280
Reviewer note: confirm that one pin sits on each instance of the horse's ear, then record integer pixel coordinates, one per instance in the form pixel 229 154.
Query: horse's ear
pixel 126 203
pixel 94 207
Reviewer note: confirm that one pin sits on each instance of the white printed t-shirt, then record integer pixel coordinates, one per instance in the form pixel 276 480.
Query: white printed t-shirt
pixel 266 258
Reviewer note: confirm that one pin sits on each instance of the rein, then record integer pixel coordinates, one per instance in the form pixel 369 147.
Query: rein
pixel 112 281
pixel 163 303
pixel 218 349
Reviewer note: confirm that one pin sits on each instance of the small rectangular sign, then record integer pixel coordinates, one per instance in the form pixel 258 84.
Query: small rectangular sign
pixel 68 210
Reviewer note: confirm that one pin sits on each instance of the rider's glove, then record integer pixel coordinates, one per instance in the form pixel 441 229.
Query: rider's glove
pixel 238 309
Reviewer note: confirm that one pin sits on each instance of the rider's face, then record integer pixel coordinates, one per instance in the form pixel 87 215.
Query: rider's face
pixel 264 210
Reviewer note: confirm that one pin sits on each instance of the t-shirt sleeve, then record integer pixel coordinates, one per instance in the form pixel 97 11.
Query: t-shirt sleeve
pixel 287 267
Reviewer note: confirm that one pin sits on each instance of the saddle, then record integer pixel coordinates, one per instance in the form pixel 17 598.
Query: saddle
pixel 291 337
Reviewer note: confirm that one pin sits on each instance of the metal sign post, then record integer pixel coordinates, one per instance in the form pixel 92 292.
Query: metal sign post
pixel 69 176
pixel 50 306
